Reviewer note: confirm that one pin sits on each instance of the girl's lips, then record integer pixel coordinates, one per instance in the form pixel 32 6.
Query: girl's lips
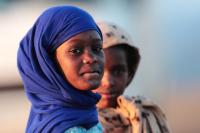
pixel 91 74
pixel 107 95
pixel 90 71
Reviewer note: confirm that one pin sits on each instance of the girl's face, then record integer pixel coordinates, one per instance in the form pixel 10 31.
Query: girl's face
pixel 81 60
pixel 115 77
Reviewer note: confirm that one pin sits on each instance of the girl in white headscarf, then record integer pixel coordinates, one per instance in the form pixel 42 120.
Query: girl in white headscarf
pixel 117 113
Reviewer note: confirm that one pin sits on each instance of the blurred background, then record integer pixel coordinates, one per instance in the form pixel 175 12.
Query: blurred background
pixel 166 32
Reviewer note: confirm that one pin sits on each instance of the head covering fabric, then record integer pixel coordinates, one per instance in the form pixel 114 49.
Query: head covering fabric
pixel 56 105
pixel 115 36
pixel 134 115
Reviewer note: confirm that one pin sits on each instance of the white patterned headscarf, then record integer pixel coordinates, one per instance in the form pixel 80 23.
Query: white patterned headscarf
pixel 114 35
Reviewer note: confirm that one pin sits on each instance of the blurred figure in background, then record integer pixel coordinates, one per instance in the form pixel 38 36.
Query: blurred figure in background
pixel 117 113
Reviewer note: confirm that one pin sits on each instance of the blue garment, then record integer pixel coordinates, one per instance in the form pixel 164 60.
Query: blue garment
pixel 95 129
pixel 56 105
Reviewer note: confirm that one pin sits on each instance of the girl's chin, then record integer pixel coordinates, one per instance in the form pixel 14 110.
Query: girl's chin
pixel 109 97
pixel 86 87
pixel 105 103
pixel 90 85
pixel 94 85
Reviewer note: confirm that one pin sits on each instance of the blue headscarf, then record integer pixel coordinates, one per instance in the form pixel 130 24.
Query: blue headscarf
pixel 56 105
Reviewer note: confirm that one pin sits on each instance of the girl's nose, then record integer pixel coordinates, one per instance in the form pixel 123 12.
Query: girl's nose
pixel 107 80
pixel 89 58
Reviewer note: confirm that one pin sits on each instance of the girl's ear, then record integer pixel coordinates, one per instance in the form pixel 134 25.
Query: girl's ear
pixel 130 78
pixel 131 74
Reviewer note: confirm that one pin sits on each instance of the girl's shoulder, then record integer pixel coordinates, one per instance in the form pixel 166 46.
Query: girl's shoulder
pixel 143 111
pixel 78 129
pixel 134 114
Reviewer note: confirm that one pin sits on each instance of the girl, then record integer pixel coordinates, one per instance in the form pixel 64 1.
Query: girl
pixel 61 60
pixel 117 113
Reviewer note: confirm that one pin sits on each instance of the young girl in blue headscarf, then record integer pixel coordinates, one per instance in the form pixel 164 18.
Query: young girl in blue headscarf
pixel 60 61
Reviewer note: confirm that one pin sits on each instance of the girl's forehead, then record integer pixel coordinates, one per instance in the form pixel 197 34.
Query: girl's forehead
pixel 115 49
pixel 85 39
pixel 88 36
pixel 116 52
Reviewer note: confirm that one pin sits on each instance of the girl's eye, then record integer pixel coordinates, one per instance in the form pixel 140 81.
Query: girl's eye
pixel 119 71
pixel 75 51
pixel 98 49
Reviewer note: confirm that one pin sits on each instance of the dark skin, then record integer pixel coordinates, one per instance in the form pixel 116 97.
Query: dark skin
pixel 115 79
pixel 81 60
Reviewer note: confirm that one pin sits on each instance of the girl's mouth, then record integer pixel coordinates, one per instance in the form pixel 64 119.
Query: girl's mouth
pixel 91 74
pixel 108 95
pixel 90 71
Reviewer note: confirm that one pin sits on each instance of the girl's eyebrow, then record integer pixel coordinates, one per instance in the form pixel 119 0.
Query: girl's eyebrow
pixel 75 40
pixel 120 65
pixel 97 40
pixel 80 40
